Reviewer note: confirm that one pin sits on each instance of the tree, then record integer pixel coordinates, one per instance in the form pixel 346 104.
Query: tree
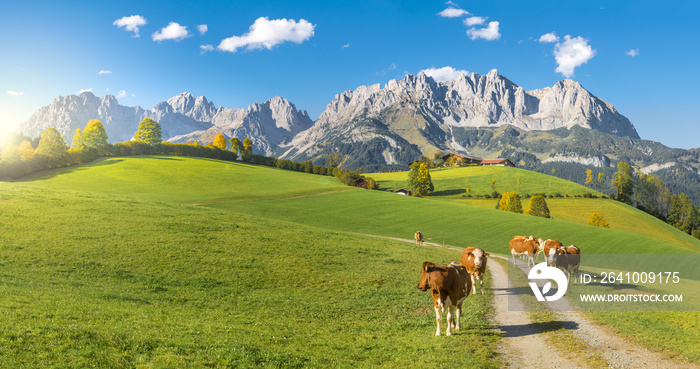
pixel 220 141
pixel 247 152
pixel 537 207
pixel 596 219
pixel 94 135
pixel 236 145
pixel 149 132
pixel 77 142
pixel 52 144
pixel 26 151
pixel 623 183
pixel 424 184
pixel 599 183
pixel 413 175
pixel 510 201
pixel 589 177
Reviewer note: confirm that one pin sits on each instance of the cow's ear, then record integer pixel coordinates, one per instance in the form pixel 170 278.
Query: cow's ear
pixel 487 254
pixel 427 266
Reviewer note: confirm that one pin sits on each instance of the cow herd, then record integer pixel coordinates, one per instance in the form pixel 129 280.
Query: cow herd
pixel 451 284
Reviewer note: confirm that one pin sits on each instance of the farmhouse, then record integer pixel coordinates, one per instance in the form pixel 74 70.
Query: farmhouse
pixel 497 162
pixel 458 159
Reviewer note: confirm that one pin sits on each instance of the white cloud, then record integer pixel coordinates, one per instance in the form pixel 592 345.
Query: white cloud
pixel 206 48
pixel 474 21
pixel 633 52
pixel 489 33
pixel 84 90
pixel 549 37
pixel 131 23
pixel 443 74
pixel 121 94
pixel 103 72
pixel 346 46
pixel 572 53
pixel 202 28
pixel 453 13
pixel 15 93
pixel 266 34
pixel 173 31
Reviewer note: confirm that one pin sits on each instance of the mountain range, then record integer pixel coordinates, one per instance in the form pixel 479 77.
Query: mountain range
pixel 386 128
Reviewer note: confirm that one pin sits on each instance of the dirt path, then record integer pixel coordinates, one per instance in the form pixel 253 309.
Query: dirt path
pixel 524 344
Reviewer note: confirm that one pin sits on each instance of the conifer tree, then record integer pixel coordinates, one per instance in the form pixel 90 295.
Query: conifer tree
pixel 537 207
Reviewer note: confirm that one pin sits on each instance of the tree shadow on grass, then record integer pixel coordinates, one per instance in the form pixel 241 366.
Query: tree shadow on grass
pixel 448 192
pixel 521 330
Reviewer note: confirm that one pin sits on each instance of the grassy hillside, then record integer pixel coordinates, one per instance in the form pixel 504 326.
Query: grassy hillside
pixel 322 202
pixel 450 185
pixel 105 280
pixel 453 182
pixel 162 262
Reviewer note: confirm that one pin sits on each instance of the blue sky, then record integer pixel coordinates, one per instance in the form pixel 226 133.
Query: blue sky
pixel 641 56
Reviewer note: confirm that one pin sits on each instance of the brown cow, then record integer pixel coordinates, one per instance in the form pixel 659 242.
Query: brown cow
pixel 474 259
pixel 567 261
pixel 419 237
pixel 545 247
pixel 520 245
pixel 449 285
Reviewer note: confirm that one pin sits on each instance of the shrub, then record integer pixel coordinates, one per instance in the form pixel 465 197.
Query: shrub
pixel 596 219
pixel 510 201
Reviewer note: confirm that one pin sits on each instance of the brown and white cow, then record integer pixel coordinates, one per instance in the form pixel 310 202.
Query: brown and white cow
pixel 419 237
pixel 521 245
pixel 449 285
pixel 545 247
pixel 474 259
pixel 568 260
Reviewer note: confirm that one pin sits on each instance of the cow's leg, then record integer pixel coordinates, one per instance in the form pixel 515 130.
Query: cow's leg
pixel 457 317
pixel 512 253
pixel 450 319
pixel 481 283
pixel 530 259
pixel 473 283
pixel 438 317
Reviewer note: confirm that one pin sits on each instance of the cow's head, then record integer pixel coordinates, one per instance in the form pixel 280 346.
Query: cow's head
pixel 541 243
pixel 424 283
pixel 555 255
pixel 479 257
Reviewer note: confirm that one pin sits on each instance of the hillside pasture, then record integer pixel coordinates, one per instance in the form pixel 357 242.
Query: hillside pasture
pixel 164 262
pixel 453 182
pixel 91 279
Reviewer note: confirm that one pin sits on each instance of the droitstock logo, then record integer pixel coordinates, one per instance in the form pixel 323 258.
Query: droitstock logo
pixel 542 271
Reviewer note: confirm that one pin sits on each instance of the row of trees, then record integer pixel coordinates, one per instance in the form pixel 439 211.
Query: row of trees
pixel 648 193
pixel 51 150
pixel 92 142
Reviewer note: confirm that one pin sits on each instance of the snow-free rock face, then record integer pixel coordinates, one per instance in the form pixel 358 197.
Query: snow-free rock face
pixel 414 114
pixel 483 101
pixel 425 111
pixel 183 118
pixel 67 113
pixel 267 125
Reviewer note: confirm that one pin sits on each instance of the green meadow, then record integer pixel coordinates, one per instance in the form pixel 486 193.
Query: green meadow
pixel 161 261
